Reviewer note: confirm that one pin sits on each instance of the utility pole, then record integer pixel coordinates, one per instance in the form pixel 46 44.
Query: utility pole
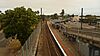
pixel 81 17
pixel 41 18
pixel 41 11
pixel 41 15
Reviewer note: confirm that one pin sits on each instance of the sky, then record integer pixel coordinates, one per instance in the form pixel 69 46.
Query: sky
pixel 55 6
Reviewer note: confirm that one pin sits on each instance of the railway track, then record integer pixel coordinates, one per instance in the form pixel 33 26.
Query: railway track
pixel 47 45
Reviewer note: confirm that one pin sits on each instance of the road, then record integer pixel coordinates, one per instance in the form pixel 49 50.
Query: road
pixel 46 45
pixel 87 30
pixel 78 25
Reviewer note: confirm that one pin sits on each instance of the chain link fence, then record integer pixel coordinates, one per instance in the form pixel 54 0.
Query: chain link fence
pixel 30 46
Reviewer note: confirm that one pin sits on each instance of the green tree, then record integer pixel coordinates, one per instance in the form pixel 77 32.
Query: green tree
pixel 1 20
pixel 91 19
pixel 62 13
pixel 72 15
pixel 19 21
pixel 54 16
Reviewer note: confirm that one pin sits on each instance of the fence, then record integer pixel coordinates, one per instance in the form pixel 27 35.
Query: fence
pixel 29 48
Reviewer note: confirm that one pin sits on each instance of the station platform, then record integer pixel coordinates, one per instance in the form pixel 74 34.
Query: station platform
pixel 68 48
